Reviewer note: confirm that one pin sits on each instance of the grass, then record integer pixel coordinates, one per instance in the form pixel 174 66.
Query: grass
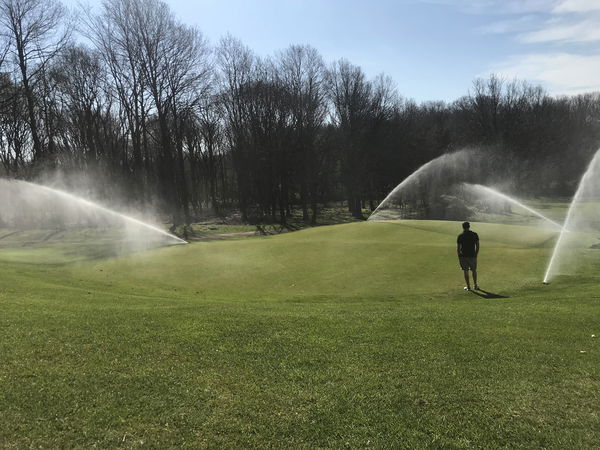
pixel 356 335
pixel 331 214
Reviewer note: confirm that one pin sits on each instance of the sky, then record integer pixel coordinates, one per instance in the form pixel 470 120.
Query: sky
pixel 432 49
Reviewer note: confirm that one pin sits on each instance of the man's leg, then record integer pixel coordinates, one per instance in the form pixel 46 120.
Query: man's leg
pixel 466 272
pixel 475 279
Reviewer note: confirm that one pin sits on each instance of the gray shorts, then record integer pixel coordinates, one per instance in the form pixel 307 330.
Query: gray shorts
pixel 468 262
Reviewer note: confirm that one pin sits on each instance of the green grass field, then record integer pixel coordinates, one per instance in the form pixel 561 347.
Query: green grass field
pixel 354 335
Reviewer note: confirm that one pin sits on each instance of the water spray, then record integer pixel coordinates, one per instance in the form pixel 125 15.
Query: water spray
pixel 96 206
pixel 514 201
pixel 569 218
pixel 431 165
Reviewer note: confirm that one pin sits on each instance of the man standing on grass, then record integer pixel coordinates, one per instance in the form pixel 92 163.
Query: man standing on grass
pixel 467 248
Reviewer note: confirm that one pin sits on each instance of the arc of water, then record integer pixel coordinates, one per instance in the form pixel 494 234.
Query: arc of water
pixel 408 179
pixel 514 201
pixel 569 217
pixel 89 203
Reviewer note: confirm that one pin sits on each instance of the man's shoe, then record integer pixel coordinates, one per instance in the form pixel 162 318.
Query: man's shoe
pixel 477 287
pixel 467 288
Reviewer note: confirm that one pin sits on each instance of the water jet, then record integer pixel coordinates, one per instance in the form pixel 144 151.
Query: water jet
pixel 27 204
pixel 426 185
pixel 577 216
pixel 485 190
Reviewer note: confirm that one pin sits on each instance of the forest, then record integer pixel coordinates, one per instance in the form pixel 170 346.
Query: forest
pixel 133 101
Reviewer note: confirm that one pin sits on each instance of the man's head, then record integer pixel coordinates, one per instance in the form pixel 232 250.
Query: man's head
pixel 466 225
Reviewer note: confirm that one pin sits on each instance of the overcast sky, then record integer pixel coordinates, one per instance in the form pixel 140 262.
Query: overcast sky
pixel 433 49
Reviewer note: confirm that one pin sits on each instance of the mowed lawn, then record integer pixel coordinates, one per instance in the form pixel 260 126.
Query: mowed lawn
pixel 356 335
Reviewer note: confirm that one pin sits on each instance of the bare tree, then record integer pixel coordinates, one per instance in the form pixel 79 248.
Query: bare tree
pixel 174 63
pixel 14 132
pixel 161 68
pixel 236 67
pixel 302 71
pixel 34 32
pixel 211 130
pixel 352 97
pixel 80 81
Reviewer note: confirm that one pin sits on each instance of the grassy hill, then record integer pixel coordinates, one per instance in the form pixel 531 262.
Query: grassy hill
pixel 356 335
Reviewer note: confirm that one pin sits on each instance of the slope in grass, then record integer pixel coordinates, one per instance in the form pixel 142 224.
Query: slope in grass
pixel 355 335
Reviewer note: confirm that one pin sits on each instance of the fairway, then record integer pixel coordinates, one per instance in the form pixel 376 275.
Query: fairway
pixel 354 335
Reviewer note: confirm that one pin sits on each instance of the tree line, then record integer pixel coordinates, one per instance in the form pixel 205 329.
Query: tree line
pixel 131 96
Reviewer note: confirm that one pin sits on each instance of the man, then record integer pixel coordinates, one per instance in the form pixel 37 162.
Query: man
pixel 467 248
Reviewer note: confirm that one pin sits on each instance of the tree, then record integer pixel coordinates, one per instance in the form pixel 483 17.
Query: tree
pixel 114 39
pixel 236 67
pixel 14 133
pixel 34 33
pixel 169 62
pixel 354 107
pixel 303 72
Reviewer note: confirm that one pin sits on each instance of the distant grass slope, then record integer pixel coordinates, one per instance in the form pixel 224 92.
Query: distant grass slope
pixel 356 335
pixel 66 246
pixel 363 259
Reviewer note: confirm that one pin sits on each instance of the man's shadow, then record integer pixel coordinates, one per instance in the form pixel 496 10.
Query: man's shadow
pixel 486 294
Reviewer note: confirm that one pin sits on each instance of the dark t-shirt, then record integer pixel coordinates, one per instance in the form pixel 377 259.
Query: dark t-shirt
pixel 467 241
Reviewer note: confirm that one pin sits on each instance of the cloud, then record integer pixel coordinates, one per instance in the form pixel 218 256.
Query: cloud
pixel 565 35
pixel 576 6
pixel 527 6
pixel 501 7
pixel 498 7
pixel 560 73
pixel 587 30
pixel 468 6
pixel 520 24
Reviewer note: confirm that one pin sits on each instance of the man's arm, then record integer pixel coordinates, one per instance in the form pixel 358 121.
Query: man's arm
pixel 458 249
pixel 476 248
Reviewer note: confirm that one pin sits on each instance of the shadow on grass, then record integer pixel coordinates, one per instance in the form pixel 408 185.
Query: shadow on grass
pixel 486 294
